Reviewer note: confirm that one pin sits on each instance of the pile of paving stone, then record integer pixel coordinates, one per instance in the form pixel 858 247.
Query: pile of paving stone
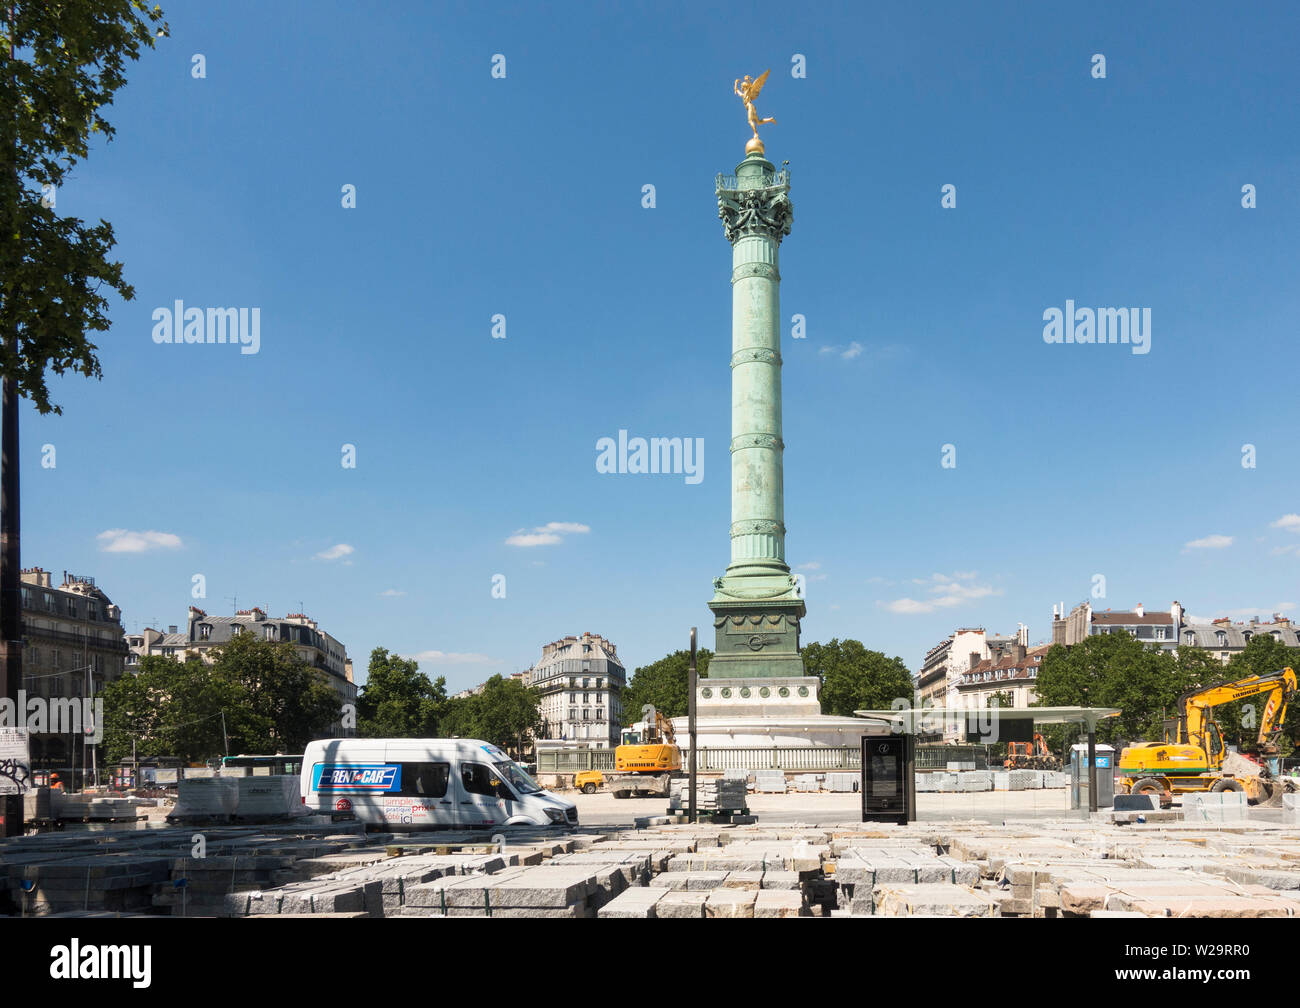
pixel 716 794
pixel 1065 868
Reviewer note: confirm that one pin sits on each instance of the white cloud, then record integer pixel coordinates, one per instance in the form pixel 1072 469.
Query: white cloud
pixel 810 565
pixel 392 593
pixel 909 607
pixel 337 552
pixel 1290 522
pixel 1288 548
pixel 1209 542
pixel 547 535
pixel 454 658
pixel 124 541
pixel 522 538
pixel 946 591
pixel 854 349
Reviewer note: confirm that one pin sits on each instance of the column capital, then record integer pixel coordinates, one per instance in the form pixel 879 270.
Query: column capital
pixel 755 201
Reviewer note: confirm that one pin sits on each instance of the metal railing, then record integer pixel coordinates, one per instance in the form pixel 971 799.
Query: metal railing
pixel 806 758
pixel 769 180
pixel 937 757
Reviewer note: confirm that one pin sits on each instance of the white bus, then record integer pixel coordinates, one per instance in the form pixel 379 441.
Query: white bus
pixel 409 784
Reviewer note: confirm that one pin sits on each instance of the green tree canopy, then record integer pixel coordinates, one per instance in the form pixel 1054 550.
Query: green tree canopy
pixel 288 701
pixel 269 698
pixel 503 713
pixel 853 678
pixel 1240 721
pixel 664 684
pixel 68 62
pixel 1117 670
pixel 398 700
pixel 175 708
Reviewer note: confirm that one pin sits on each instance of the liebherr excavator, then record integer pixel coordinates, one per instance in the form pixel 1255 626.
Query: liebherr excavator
pixel 1191 759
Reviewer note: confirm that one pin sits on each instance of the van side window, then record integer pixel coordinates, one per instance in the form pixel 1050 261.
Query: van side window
pixel 479 778
pixel 427 780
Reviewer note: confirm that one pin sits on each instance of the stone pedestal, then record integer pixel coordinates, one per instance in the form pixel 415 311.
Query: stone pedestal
pixel 753 711
pixel 757 696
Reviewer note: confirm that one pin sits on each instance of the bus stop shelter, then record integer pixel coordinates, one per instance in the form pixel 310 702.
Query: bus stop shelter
pixel 912 720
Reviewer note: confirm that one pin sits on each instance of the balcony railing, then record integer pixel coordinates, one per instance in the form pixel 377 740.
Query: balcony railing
pixel 770 180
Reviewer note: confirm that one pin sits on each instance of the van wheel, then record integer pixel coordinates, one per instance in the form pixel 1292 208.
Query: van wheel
pixel 589 789
pixel 1227 784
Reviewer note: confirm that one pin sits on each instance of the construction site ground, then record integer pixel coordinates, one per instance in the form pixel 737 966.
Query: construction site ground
pixel 807 855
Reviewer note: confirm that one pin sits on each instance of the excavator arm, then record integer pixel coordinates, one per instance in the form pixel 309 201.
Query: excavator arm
pixel 1196 706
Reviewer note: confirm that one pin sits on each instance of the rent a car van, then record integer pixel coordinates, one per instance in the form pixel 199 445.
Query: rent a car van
pixel 409 784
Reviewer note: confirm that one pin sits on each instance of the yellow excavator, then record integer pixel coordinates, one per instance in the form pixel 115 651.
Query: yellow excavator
pixel 1193 757
pixel 645 761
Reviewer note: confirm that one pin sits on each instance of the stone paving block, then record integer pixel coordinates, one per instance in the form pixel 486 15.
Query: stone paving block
pixel 938 899
pixel 681 904
pixel 730 903
pixel 692 881
pixel 743 880
pixel 638 902
pixel 1221 807
pixel 779 903
pixel 781 880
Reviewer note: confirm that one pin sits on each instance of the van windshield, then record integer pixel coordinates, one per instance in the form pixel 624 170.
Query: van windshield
pixel 517 777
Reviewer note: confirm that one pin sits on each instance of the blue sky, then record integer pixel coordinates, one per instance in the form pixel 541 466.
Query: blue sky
pixel 522 196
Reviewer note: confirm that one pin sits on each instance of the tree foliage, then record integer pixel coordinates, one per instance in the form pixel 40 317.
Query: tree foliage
pixel 288 702
pixel 663 684
pixel 504 712
pixel 400 701
pixel 68 61
pixel 853 678
pixel 271 700
pixel 1117 670
pixel 1261 656
pixel 1114 670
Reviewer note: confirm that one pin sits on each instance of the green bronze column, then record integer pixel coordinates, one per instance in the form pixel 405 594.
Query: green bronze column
pixel 756 607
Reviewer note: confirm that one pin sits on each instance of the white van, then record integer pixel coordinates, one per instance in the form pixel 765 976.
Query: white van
pixel 406 784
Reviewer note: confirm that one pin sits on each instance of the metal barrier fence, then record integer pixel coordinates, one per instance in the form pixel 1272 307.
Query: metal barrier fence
pixel 573 760
pixel 804 758
pixel 937 757
pixel 758 758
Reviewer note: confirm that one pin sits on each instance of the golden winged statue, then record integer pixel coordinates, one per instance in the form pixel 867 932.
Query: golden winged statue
pixel 748 90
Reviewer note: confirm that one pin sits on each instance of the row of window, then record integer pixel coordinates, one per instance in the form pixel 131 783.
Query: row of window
pixel 71 606
pixel 205 631
pixel 95 663
pixel 586 714
pixel 1031 673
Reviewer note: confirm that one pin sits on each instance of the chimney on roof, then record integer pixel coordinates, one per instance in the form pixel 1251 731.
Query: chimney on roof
pixel 172 628
pixel 1138 610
